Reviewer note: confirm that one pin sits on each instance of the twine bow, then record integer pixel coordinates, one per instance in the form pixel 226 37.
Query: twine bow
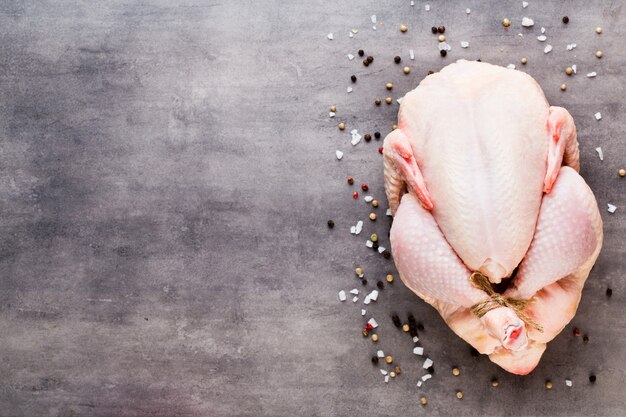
pixel 496 300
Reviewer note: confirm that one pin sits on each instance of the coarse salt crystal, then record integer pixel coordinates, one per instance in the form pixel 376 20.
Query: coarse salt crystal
pixel 598 116
pixel 412 3
pixel 382 371
pixel 331 114
pixel 367 300
pixel 373 295
pixel 386 378
pixel 464 44
pixel 543 30
pixel 354 291
pixel 350 35
pixel 418 350
pixel 600 154
pixel 369 243
pixel 428 363
pixel 359 227
pixel 330 36
pixel 349 89
pixel 521 35
pixel 542 38
pixel 356 138
pixel 373 18
pixel 381 249
pixel 443 46
pixel 427 7
pixel 511 66
pixel 350 57
pixel 527 22
pixel 380 354
pixel 591 74
pixel 574 68
pixel 353 229
pixel 571 46
pixel 399 100
pixel 411 54
pixel 426 377
pixel 342 295
pixel 339 154
pixel 468 11
pixel 368 198
pixel 524 4
pixel 547 49
pixel 419 383
pixel 415 339
pixel 374 27
pixel 568 382
pixel 355 299
pixel 388 212
pixel 363 311
pixel 373 323
pixel 611 208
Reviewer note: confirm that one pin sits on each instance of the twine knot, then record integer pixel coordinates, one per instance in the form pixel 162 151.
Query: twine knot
pixel 496 300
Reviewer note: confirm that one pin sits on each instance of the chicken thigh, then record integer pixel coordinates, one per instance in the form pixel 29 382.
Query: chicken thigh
pixel 467 193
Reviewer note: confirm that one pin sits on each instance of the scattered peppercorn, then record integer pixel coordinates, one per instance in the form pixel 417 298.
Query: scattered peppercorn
pixel 576 332
pixel 455 371
pixel 441 29
pixel 598 30
pixel 506 23
pixel 361 52
pixel 405 327
pixel 374 237
pixel 388 100
pixel 592 378
pixel 389 278
pixel 388 359
pixel 364 282
pixel 406 70
pixel 569 71
pixel 392 374
pixel 380 150
pixel 441 38
pixel 397 59
pixel 365 332
pixel 433 29
pixel 386 253
pixel 353 78
pixel 367 137
pixel 585 338
pixel 374 360
pixel 350 180
pixel 375 246
pixel 431 370
pixel 331 224
pixel 380 285
pixel 396 320
pixel 342 126
pixel 443 52
pixel 372 216
pixel 333 109
pixel 609 291
pixel 377 136
pixel 431 72
pixel 355 195
pixel 622 172
pixel 565 19
pixel 549 384
pixel 403 28
pixel 394 126
pixel 389 86
pixel 563 87
pixel 374 203
pixel 366 62
pixel 364 187
pixel 599 54
pixel 423 400
pixel 524 61
pixel 397 370
pixel 459 395
pixel 370 59
pixel 374 338
pixel 377 102
pixel 412 322
pixel 494 382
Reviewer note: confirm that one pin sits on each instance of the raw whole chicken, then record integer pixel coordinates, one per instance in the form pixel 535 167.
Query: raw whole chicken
pixel 482 179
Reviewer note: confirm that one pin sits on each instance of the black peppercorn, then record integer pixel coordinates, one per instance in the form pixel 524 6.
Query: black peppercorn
pixel 396 320
pixel 609 292
pixel 433 29
pixel 441 29
pixel 366 62
pixel 431 72
pixel 479 60
pixel 375 246
pixel 331 224
pixel 374 360
pixel 443 52
pixel 377 135
pixel 585 339
pixel 361 52
pixel 364 281
pixel 592 378
pixel 353 78
pixel 370 59
pixel 397 59
pixel 431 370
pixel 565 20
pixel 380 285
pixel 412 322
pixel 386 254
pixel 367 137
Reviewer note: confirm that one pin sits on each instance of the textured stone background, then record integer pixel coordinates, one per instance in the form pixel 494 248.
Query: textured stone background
pixel 167 171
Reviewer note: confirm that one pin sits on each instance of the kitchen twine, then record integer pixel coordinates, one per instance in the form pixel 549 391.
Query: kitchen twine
pixel 496 300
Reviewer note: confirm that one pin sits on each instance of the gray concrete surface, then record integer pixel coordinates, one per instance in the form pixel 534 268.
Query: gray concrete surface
pixel 167 171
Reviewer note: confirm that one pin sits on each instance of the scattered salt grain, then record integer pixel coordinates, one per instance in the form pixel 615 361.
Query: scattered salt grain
pixel 600 154
pixel 350 57
pixel 547 49
pixel 369 243
pixel 373 295
pixel 386 378
pixel 568 382
pixel 591 74
pixel 521 35
pixel 443 46
pixel 349 89
pixel 330 36
pixel 373 323
pixel 427 7
pixel 382 371
pixel 464 44
pixel 355 299
pixel 350 35
pixel 511 66
pixel 419 383
pixel 339 154
pixel 354 291
pixel 380 354
pixel 418 350
pixel 611 208
pixel 412 3
pixel 543 30
pixel 363 311
pixel 356 138
pixel 367 300
pixel 374 27
pixel 381 249
pixel 542 38
pixel 426 377
pixel 331 114
pixel 574 68
pixel 368 198
pixel 468 11
pixel 342 295
pixel 598 116
pixel 527 22
pixel 388 212
pixel 428 363
pixel 415 339
pixel 571 46
pixel 524 4
pixel 411 54
pixel 373 18
pixel 359 227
